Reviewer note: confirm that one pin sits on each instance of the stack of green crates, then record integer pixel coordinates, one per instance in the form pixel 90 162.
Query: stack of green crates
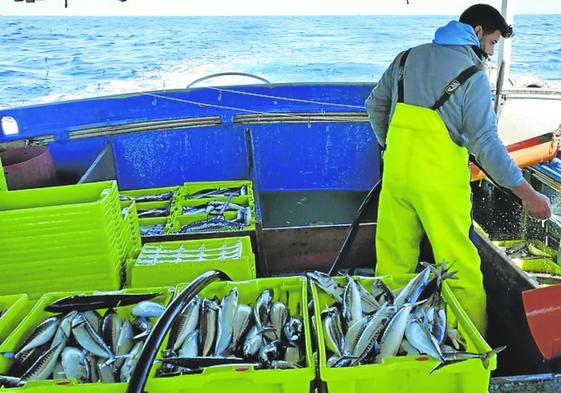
pixel 192 197
pixel 406 373
pixel 169 263
pixel 3 184
pixel 148 225
pixel 243 378
pixel 61 238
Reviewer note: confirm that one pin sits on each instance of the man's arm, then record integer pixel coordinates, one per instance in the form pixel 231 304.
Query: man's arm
pixel 379 102
pixel 480 127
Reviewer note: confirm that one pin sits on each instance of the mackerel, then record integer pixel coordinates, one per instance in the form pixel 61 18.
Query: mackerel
pixel 411 292
pixel 185 323
pixel 352 304
pixel 41 335
pixel 75 364
pixel 334 338
pixel 278 315
pixel 225 322
pixel 207 326
pixel 393 336
pixel 89 339
pixel 240 324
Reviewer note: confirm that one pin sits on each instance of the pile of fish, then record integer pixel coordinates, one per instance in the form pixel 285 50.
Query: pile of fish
pixel 217 223
pixel 152 230
pixel 216 208
pixel 164 196
pixel 155 212
pixel 80 343
pixel 528 249
pixel 365 326
pixel 212 332
pixel 220 192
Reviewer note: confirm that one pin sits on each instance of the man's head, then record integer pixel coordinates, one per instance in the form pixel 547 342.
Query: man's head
pixel 488 24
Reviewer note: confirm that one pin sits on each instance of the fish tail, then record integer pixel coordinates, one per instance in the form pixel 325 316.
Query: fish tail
pixel 487 355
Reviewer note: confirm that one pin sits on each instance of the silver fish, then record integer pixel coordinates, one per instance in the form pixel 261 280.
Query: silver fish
pixel 94 377
pixel 41 335
pixel 278 315
pixel 65 328
pixel 142 328
pixel 262 308
pixel 381 292
pixel 292 354
pixel 369 303
pixel 44 366
pixel 268 352
pixel 89 339
pixel 436 320
pixel 225 322
pixel 124 340
pixel 148 309
pixel 283 365
pixel 207 326
pixel 293 329
pixel 253 341
pixel 111 324
pixel 408 349
pixel 419 337
pixel 352 335
pixel 190 348
pixel 106 371
pixel 392 337
pixel 240 324
pixel 328 285
pixel 11 382
pixel 75 364
pixel 352 304
pixel 411 292
pixel 454 357
pixel 369 336
pixel 130 363
pixel 94 319
pixel 185 323
pixel 333 331
pixel 58 371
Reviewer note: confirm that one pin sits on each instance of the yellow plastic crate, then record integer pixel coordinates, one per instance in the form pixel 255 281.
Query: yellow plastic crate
pixel 406 373
pixel 169 263
pixel 244 379
pixel 38 315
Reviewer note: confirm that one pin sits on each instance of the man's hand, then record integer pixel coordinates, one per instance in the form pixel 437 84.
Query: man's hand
pixel 537 205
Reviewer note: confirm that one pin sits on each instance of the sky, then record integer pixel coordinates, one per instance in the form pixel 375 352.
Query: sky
pixel 262 7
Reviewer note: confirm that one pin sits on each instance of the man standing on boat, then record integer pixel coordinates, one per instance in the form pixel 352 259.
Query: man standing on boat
pixel 430 110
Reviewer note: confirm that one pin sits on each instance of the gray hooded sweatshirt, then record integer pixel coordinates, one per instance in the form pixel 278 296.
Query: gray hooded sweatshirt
pixel 468 114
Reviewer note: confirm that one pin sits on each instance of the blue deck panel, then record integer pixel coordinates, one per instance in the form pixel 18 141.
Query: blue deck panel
pixel 287 156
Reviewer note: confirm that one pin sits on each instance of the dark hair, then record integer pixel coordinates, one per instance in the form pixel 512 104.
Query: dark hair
pixel 488 18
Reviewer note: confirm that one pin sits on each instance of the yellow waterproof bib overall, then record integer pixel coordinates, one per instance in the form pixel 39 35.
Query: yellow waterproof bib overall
pixel 426 188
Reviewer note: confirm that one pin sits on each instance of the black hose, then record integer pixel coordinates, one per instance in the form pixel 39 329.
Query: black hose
pixel 142 369
pixel 344 250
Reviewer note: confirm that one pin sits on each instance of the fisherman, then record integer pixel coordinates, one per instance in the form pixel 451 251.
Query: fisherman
pixel 429 111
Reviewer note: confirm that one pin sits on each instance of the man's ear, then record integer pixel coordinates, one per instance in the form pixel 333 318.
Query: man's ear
pixel 478 31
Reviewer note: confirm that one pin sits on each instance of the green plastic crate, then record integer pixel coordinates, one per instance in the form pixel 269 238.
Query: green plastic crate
pixel 12 309
pixel 406 373
pixel 37 314
pixel 190 188
pixel 244 379
pixel 150 221
pixel 169 263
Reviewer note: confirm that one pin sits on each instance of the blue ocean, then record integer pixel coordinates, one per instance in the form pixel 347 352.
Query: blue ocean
pixel 44 59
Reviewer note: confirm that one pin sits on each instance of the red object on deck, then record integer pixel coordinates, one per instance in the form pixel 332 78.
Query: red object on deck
pixel 543 311
pixel 28 167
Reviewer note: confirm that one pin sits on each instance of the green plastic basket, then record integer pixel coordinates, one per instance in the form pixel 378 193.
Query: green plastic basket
pixel 406 373
pixel 238 379
pixel 37 314
pixel 169 263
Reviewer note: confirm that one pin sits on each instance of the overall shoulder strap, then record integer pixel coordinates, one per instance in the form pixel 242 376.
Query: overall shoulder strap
pixel 400 80
pixel 454 84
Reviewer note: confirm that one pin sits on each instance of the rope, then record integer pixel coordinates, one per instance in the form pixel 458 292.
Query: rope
pixel 285 98
pixel 203 104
